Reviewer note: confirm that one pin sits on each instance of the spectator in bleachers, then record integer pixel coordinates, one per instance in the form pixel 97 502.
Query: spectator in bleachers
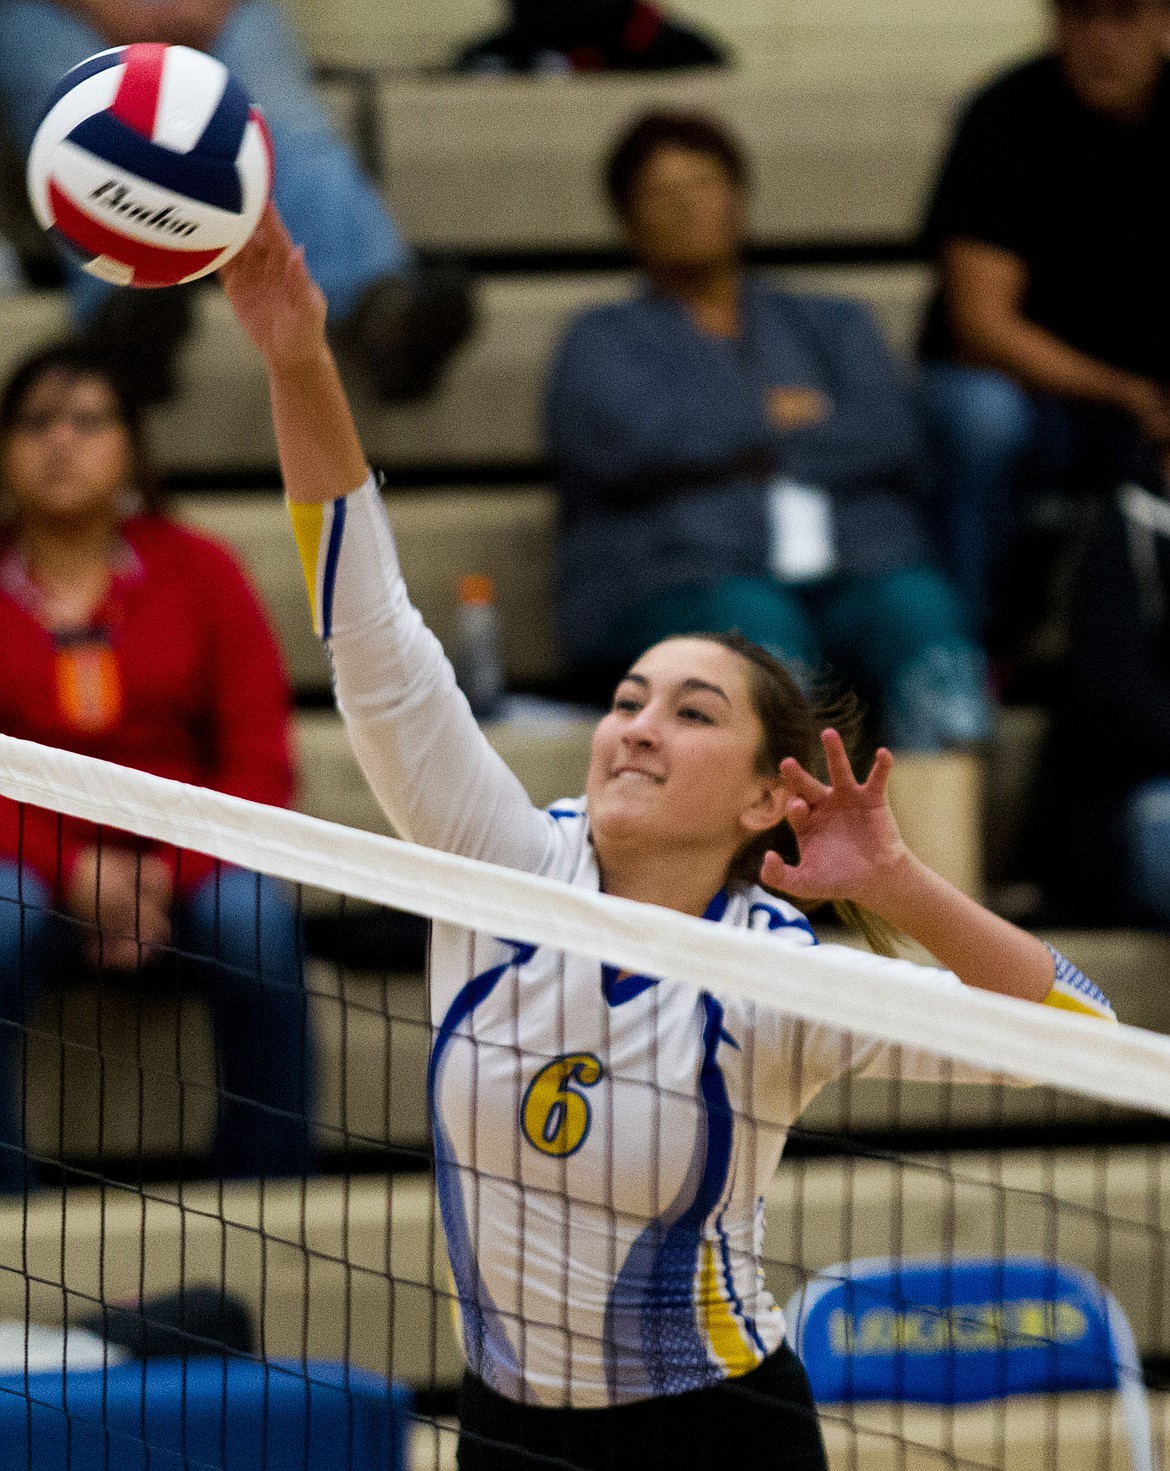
pixel 1105 854
pixel 401 319
pixel 730 455
pixel 1047 350
pixel 553 36
pixel 128 637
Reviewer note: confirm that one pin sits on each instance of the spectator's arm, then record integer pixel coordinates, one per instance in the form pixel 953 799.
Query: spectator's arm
pixel 617 423
pixel 872 431
pixel 985 288
pixel 182 23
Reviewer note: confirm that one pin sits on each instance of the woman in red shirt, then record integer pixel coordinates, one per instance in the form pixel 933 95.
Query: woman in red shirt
pixel 128 637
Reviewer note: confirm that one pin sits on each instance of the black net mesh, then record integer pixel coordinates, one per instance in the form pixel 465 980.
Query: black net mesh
pixel 227 1208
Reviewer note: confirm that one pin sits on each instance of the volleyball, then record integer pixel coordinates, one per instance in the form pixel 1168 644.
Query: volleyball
pixel 151 164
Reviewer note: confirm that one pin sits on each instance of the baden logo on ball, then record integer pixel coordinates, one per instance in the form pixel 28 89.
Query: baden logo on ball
pixel 152 165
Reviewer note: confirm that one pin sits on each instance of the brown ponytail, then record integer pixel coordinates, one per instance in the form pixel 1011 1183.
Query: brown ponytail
pixel 792 726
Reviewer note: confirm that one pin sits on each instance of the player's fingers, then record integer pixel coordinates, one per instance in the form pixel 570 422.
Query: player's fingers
pixel 879 776
pixel 800 782
pixel 774 871
pixel 837 759
pixel 787 877
pixel 797 812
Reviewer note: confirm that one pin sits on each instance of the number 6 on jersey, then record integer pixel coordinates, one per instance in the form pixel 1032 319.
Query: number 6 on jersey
pixel 555 1118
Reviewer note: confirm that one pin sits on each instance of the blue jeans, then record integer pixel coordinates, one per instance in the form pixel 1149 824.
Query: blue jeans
pixel 1146 828
pixel 998 448
pixel 330 207
pixel 237 945
pixel 902 633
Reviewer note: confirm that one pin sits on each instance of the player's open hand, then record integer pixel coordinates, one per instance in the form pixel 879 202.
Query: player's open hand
pixel 849 843
pixel 279 305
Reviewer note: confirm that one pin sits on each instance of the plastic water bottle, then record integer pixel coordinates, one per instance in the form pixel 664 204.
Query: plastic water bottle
pixel 476 654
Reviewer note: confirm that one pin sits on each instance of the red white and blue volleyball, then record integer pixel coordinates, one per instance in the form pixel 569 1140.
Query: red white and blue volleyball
pixel 152 164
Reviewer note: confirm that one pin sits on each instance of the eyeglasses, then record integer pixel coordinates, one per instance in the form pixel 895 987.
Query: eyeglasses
pixel 83 422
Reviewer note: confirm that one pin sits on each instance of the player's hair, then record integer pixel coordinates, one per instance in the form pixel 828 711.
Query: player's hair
pixel 71 362
pixel 792 725
pixel 693 131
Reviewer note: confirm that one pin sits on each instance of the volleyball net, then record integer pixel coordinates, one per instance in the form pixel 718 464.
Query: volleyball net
pixel 266 1191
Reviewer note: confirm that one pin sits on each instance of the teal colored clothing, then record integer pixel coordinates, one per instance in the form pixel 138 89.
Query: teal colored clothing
pixel 898 635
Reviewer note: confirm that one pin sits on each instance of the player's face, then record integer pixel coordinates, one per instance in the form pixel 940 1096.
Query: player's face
pixel 674 762
pixel 1112 52
pixel 685 212
pixel 69 454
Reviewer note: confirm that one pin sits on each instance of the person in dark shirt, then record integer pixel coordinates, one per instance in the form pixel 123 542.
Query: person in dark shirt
pixel 1047 350
pixel 1107 854
pixel 398 318
pixel 730 455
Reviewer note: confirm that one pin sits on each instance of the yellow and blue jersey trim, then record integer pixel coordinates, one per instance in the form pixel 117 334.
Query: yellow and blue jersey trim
pixel 319 530
pixel 1073 991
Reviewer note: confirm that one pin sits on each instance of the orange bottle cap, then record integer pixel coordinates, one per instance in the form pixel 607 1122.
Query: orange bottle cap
pixel 476 588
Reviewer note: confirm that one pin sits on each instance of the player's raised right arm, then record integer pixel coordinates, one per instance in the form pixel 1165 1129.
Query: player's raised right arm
pixel 428 763
pixel 282 309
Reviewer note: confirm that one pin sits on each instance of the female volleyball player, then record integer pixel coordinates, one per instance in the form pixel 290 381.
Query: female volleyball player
pixel 603 1140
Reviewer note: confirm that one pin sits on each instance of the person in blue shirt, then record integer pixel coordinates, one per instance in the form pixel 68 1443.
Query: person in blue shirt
pixel 730 455
pixel 399 319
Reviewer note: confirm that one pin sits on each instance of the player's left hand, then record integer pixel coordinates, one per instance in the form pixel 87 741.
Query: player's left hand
pixel 849 842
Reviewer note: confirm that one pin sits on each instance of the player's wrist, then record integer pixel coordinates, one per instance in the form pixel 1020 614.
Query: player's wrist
pixel 896 888
pixel 302 365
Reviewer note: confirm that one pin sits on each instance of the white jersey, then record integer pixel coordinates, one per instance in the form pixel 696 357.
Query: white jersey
pixel 603 1141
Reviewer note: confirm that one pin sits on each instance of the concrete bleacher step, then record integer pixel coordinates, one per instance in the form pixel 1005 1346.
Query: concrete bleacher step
pixel 335 1269
pixel 506 165
pixel 356 1269
pixel 506 534
pixel 488 409
pixel 116 1076
pixel 404 37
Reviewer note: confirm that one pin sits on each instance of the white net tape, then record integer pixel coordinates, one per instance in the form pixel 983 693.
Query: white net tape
pixel 1119 1064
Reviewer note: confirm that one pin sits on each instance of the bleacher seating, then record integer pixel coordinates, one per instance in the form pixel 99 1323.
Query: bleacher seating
pixel 843 106
pixel 487 411
pixel 319 1270
pixel 849 162
pixel 798 36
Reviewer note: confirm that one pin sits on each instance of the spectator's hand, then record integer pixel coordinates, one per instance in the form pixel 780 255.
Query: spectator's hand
pixel 126 901
pixel 278 303
pixel 792 407
pixel 849 842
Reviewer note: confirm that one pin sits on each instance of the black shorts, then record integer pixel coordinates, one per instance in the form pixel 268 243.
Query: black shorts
pixel 766 1418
